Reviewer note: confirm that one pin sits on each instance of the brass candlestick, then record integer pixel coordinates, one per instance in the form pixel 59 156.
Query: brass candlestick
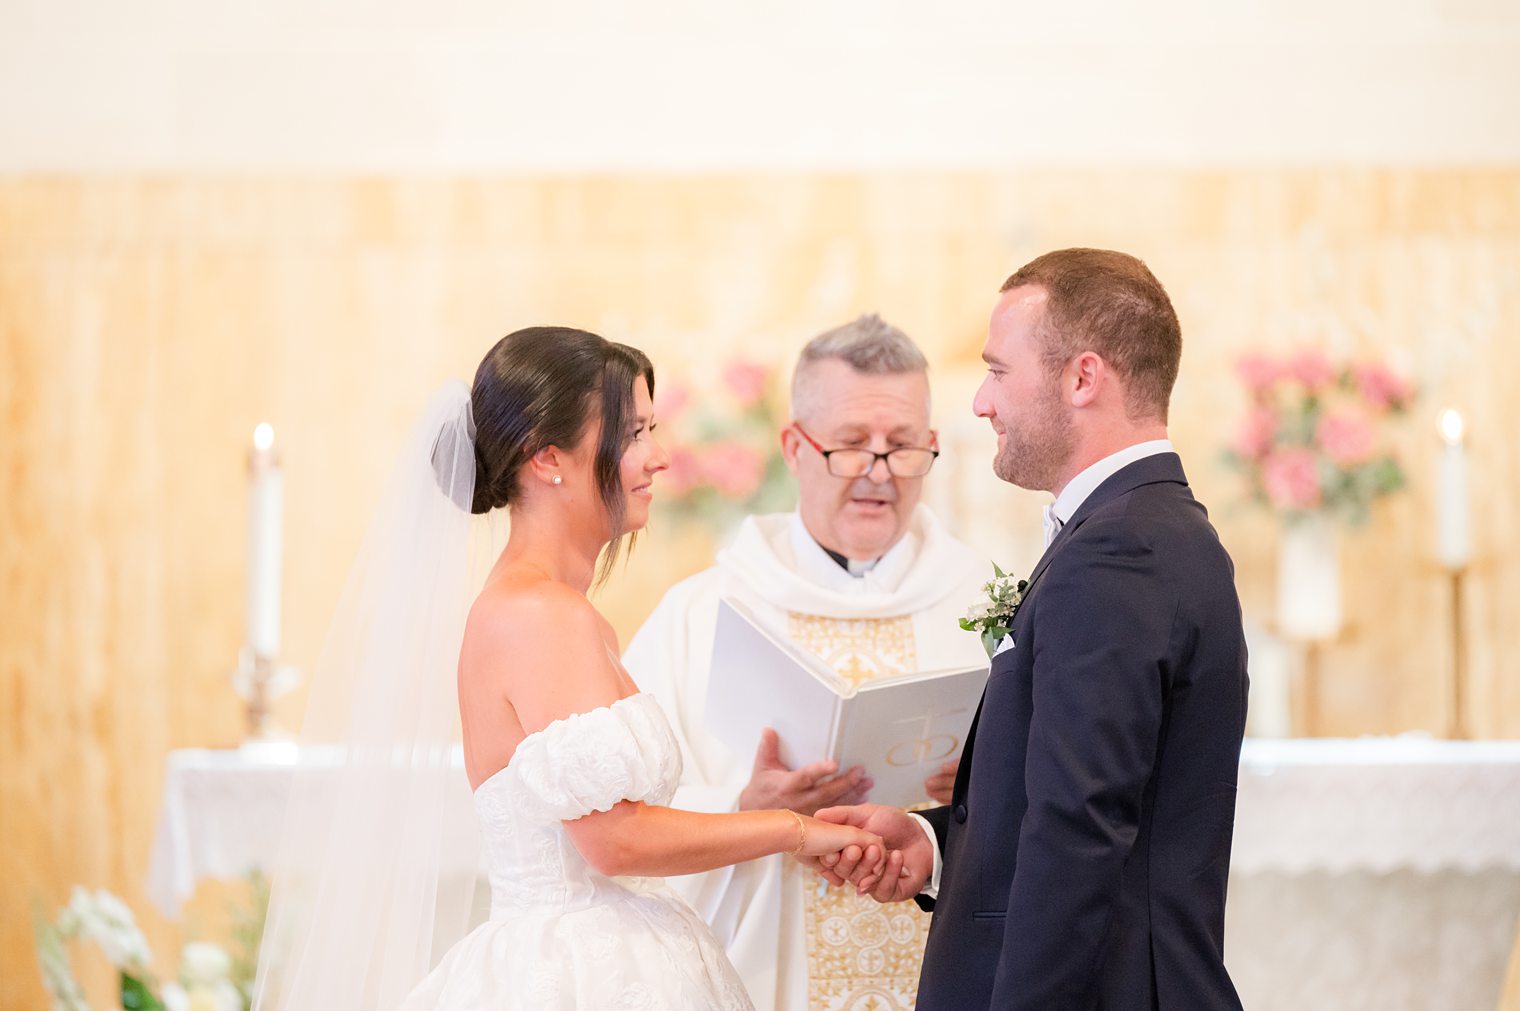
pixel 1457 726
pixel 259 680
pixel 1307 697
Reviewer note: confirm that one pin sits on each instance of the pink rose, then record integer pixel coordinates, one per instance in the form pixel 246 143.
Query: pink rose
pixel 683 474
pixel 1312 369
pixel 1258 371
pixel 1345 436
pixel 671 402
pixel 733 468
pixel 1256 433
pixel 1380 386
pixel 1291 477
pixel 746 381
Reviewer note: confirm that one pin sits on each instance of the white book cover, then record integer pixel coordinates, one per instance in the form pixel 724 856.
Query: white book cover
pixel 901 728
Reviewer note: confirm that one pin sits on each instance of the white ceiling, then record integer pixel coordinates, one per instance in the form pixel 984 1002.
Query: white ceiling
pixel 682 85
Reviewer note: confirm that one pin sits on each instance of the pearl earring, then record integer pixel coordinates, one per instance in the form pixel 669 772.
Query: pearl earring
pixel 556 480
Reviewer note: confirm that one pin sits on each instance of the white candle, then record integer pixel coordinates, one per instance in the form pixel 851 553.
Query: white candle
pixel 266 494
pixel 1453 508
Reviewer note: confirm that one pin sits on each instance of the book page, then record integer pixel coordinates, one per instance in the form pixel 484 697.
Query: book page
pixel 904 729
pixel 759 680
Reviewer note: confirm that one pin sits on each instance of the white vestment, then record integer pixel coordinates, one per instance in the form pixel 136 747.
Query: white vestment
pixel 798 944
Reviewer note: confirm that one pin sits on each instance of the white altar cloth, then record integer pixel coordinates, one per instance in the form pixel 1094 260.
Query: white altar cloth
pixel 1377 804
pixel 1377 874
pixel 222 812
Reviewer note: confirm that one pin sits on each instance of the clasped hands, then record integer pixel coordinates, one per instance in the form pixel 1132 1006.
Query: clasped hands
pixel 892 872
pixel 895 874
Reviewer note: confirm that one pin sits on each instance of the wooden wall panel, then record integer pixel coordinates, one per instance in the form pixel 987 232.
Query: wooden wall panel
pixel 148 323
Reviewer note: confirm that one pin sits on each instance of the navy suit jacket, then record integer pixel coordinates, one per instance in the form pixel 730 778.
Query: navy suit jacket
pixel 1087 844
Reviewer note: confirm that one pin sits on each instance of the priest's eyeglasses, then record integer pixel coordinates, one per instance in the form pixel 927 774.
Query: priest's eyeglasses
pixel 904 461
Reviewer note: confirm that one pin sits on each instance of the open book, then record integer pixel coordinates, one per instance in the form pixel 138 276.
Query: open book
pixel 901 728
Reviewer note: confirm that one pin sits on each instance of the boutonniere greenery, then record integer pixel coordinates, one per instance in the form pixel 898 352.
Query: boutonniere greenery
pixel 992 618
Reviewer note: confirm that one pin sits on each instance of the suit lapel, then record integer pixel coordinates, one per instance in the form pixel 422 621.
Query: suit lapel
pixel 963 771
pixel 1160 468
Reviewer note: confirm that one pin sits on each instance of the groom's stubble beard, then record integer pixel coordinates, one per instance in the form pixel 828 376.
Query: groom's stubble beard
pixel 1036 448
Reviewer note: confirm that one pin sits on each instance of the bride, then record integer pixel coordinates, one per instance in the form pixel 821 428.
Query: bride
pixel 570 765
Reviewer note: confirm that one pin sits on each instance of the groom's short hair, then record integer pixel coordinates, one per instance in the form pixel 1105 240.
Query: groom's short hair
pixel 868 344
pixel 1110 303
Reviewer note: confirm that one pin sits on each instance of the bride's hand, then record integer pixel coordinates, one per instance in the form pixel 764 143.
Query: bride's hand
pixel 826 838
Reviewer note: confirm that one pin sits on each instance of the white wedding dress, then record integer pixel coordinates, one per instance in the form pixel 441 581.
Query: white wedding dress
pixel 562 936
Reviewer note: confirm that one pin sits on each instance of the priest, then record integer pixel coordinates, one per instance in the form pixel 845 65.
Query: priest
pixel 863 575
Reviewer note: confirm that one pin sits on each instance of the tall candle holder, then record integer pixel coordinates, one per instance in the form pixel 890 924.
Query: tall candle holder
pixel 1457 727
pixel 1454 551
pixel 260 678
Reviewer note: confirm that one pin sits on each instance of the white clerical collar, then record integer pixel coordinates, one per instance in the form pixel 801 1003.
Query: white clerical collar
pixel 1084 484
pixel 885 572
pixel 856 567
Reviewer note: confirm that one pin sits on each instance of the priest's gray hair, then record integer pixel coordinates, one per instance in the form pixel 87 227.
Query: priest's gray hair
pixel 869 345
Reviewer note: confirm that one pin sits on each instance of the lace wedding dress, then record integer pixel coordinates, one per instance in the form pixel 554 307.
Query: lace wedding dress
pixel 562 936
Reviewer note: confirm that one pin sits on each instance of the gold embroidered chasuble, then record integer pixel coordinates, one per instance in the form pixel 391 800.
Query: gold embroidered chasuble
pixel 862 955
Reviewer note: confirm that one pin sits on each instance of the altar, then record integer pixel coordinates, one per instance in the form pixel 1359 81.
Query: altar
pixel 1376 873
pixel 1371 873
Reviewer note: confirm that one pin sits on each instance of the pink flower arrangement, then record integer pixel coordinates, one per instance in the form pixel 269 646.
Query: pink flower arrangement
pixel 1254 438
pixel 1258 371
pixel 1311 438
pixel 684 473
pixel 1346 437
pixel 733 468
pixel 670 402
pixel 1291 478
pixel 746 380
pixel 1381 388
pixel 723 439
pixel 1313 370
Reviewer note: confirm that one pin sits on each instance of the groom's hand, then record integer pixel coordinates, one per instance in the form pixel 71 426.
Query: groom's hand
pixel 773 785
pixel 910 860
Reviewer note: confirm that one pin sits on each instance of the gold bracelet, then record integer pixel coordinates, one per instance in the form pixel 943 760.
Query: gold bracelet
pixel 801 833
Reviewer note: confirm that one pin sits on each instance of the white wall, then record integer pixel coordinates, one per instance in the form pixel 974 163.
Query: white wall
pixel 495 85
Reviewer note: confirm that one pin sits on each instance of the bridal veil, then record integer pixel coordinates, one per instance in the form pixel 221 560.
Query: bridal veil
pixel 376 867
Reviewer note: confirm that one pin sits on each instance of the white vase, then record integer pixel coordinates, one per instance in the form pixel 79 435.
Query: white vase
pixel 1309 580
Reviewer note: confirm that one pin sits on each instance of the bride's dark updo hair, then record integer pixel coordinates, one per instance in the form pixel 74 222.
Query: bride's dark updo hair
pixel 539 387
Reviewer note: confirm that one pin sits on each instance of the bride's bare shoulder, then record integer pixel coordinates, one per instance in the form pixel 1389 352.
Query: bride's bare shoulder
pixel 523 609
pixel 543 646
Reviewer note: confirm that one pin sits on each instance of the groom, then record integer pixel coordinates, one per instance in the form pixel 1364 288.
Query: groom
pixel 1082 860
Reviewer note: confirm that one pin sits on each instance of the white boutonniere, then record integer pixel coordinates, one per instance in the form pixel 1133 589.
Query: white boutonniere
pixel 992 618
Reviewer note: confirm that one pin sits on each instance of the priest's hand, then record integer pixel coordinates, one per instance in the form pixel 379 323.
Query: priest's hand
pixel 804 790
pixel 910 857
pixel 941 785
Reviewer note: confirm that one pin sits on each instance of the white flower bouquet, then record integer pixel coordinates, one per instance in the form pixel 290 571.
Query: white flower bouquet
pixel 209 978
